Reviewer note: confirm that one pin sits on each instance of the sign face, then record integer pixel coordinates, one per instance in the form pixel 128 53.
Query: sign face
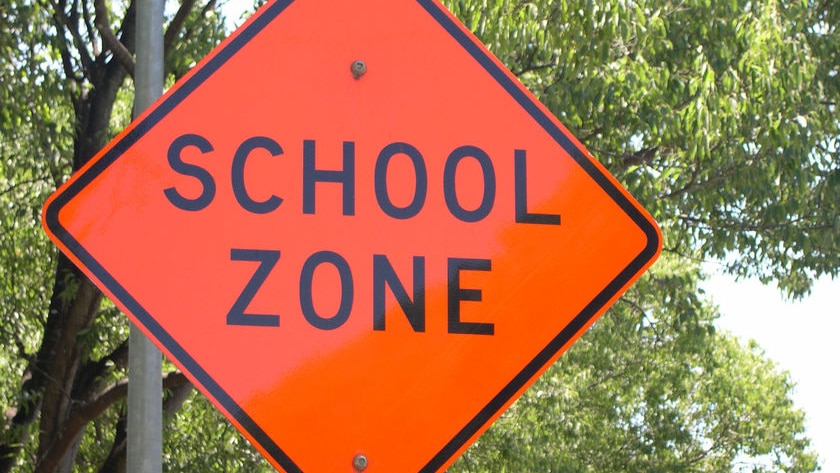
pixel 356 232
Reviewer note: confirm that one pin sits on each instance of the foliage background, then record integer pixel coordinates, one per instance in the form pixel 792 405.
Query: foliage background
pixel 719 116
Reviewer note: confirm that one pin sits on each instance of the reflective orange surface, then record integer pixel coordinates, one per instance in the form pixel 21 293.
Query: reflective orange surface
pixel 180 221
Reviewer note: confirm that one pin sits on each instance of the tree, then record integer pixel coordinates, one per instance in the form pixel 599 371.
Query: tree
pixel 68 90
pixel 719 117
pixel 653 389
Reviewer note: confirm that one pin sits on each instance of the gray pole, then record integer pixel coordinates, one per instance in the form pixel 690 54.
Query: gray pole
pixel 145 387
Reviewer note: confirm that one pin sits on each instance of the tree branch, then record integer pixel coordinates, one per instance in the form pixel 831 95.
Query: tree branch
pixel 116 461
pixel 72 23
pixel 37 374
pixel 91 371
pixel 175 26
pixel 66 57
pixel 175 398
pixel 94 115
pixel 642 157
pixel 90 29
pixel 109 40
pixel 532 68
pixel 84 413
pixel 693 185
pixel 61 369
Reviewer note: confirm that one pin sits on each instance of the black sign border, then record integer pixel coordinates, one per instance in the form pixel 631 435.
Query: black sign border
pixel 260 21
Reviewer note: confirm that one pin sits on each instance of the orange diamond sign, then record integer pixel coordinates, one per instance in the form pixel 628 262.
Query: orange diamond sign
pixel 356 232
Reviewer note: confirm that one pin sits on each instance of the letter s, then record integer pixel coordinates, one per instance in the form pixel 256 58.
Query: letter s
pixel 208 186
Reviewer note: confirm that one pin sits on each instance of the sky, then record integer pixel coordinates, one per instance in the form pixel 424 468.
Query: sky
pixel 801 337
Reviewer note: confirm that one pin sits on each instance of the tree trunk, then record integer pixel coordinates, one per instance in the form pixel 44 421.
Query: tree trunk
pixel 53 374
pixel 63 386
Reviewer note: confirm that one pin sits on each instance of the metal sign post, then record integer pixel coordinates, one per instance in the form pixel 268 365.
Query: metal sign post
pixel 144 362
